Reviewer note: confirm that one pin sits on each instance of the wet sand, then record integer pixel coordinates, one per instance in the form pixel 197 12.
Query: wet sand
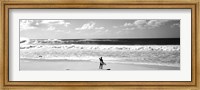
pixel 65 65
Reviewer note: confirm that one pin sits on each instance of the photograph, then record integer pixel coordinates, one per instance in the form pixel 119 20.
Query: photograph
pixel 99 44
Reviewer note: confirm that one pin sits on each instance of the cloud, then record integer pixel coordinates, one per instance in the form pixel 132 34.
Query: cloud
pixel 66 24
pixel 143 24
pixel 68 32
pixel 54 25
pixel 115 26
pixel 99 28
pixel 128 24
pixel 48 25
pixel 118 32
pixel 175 25
pixel 153 23
pixel 55 22
pixel 156 23
pixel 107 30
pixel 132 28
pixel 140 22
pixel 87 26
pixel 26 25
pixel 51 28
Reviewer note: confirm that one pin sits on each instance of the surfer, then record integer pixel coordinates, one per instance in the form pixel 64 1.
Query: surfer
pixel 101 63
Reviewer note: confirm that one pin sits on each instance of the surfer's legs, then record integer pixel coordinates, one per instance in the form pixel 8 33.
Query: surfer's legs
pixel 100 66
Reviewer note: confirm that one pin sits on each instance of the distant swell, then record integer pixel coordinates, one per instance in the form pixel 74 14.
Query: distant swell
pixel 159 41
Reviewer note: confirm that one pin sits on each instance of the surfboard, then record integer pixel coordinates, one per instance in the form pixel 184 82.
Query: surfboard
pixel 105 69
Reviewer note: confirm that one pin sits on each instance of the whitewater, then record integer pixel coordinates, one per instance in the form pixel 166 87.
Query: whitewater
pixel 164 55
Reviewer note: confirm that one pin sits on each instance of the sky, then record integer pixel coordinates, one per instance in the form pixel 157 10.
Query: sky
pixel 99 28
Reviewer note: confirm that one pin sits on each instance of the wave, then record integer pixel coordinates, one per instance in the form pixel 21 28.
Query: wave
pixel 108 47
pixel 127 54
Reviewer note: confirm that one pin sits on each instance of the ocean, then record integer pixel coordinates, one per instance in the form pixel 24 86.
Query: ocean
pixel 164 52
pixel 149 41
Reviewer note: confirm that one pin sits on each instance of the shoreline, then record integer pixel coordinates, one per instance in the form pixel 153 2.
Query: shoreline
pixel 68 60
pixel 66 65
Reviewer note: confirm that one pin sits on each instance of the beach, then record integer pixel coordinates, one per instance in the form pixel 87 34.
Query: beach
pixel 63 65
pixel 86 57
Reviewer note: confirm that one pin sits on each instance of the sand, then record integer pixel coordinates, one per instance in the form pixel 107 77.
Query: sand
pixel 66 65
